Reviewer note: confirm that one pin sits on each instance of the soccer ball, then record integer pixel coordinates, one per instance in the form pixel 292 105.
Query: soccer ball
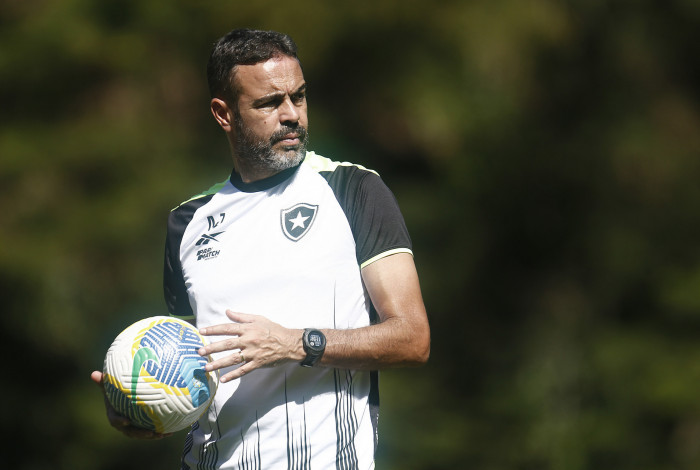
pixel 154 376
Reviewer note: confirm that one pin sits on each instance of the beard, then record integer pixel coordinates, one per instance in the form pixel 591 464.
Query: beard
pixel 257 153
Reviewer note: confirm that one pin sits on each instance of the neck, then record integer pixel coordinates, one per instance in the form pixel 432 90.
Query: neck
pixel 249 174
pixel 264 183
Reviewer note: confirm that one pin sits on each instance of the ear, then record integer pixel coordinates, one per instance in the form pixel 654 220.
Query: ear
pixel 222 113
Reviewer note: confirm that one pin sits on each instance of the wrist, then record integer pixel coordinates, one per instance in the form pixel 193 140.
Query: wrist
pixel 296 348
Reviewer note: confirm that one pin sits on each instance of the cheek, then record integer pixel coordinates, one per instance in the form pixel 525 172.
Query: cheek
pixel 261 127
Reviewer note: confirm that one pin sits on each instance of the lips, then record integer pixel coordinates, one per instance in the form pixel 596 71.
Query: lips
pixel 289 137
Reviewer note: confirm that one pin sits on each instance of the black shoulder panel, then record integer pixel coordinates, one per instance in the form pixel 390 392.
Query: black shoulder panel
pixel 176 297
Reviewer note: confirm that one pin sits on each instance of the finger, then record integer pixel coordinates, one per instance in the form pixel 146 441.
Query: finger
pixel 229 329
pixel 237 373
pixel 241 317
pixel 228 344
pixel 230 360
pixel 96 376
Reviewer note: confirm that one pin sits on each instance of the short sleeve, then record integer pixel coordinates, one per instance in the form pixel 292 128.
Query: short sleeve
pixel 375 219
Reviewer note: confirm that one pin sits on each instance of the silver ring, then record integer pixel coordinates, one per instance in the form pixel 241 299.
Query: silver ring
pixel 242 358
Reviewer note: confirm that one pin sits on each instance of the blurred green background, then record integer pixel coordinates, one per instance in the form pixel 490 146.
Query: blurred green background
pixel 545 155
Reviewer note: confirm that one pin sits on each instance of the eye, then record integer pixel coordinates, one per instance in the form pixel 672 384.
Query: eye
pixel 270 103
pixel 299 98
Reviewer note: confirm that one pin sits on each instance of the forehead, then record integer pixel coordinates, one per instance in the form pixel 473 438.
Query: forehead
pixel 279 74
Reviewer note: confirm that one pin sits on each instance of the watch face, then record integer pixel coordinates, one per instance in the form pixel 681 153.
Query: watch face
pixel 315 340
pixel 314 345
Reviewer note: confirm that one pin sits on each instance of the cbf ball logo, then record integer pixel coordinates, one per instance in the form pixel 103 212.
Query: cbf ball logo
pixel 297 220
pixel 168 352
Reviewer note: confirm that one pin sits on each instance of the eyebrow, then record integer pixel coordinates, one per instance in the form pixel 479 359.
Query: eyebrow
pixel 277 95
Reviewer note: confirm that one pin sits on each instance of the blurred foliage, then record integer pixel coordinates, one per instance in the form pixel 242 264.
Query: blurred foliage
pixel 545 154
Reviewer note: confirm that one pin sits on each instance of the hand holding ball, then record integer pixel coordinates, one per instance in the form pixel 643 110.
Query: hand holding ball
pixel 154 376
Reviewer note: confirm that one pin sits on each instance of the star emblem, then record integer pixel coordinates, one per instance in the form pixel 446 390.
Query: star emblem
pixel 298 221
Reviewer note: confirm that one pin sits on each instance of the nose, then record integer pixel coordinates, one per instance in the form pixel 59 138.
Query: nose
pixel 288 112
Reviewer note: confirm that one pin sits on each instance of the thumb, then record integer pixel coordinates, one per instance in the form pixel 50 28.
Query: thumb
pixel 96 377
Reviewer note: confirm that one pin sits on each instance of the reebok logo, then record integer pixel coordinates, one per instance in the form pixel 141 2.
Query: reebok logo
pixel 206 238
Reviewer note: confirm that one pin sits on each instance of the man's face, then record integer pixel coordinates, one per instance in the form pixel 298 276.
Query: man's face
pixel 270 116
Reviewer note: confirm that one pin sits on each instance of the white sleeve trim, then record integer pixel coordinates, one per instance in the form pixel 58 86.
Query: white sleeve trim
pixel 384 255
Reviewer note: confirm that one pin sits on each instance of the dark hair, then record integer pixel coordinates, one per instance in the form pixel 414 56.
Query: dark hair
pixel 243 47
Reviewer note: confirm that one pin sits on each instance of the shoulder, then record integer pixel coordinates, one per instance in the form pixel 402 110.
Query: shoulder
pixel 181 215
pixel 324 165
pixel 200 198
pixel 343 177
pixel 320 164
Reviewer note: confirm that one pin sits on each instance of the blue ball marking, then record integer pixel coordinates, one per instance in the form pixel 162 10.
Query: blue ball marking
pixel 196 379
pixel 176 346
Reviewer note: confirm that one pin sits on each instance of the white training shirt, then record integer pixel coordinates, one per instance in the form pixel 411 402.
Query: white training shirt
pixel 289 248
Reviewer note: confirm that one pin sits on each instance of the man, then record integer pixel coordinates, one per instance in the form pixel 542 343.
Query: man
pixel 299 269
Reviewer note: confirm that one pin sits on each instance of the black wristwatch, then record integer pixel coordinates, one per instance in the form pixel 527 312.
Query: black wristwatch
pixel 314 344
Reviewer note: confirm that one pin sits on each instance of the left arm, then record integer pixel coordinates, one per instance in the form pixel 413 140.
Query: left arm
pixel 400 338
pixel 402 335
